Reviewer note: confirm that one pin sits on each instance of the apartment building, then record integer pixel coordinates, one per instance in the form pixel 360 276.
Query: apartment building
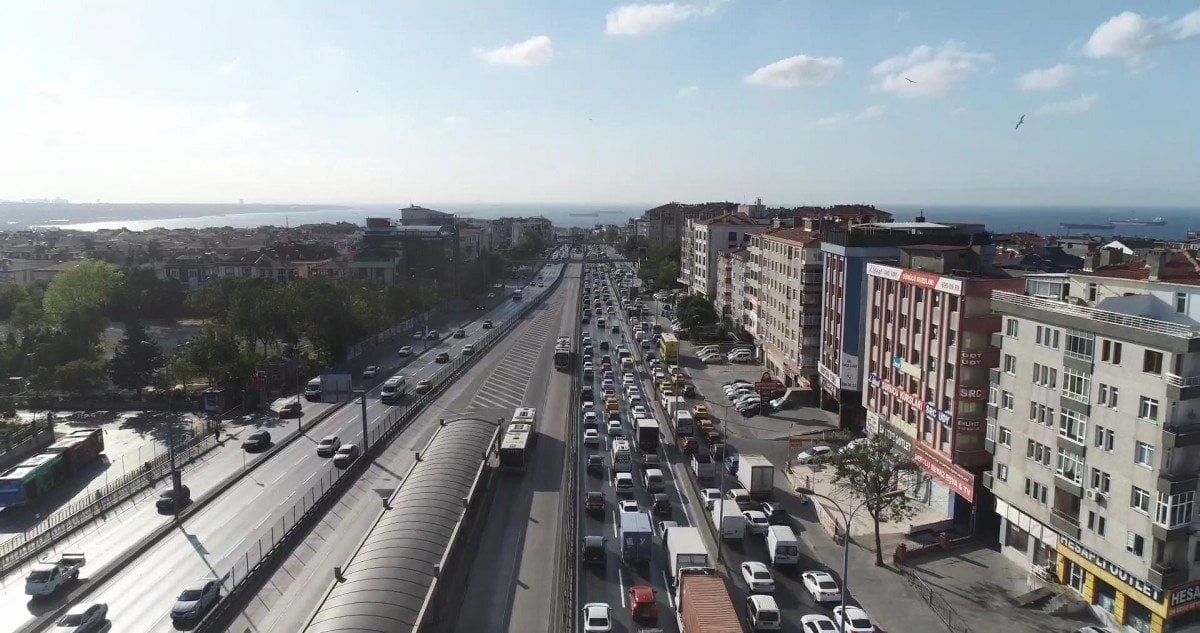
pixel 666 223
pixel 539 226
pixel 928 350
pixel 789 303
pixel 724 300
pixel 846 252
pixel 1094 425
pixel 704 240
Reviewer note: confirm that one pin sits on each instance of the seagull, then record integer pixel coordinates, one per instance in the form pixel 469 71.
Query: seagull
pixel 909 80
pixel 1020 122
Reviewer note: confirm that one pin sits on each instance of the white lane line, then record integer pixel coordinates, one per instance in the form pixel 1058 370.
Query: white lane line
pixel 616 534
pixel 621 582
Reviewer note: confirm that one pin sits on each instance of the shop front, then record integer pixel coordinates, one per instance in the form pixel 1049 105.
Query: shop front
pixel 948 482
pixel 1116 595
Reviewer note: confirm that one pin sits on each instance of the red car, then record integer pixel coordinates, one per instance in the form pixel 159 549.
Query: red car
pixel 290 410
pixel 642 607
pixel 688 445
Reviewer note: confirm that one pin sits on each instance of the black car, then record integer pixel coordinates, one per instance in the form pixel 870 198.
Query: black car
pixel 460 333
pixel 587 393
pixel 170 502
pixel 585 320
pixel 442 357
pixel 776 515
pixel 661 505
pixel 487 325
pixel 594 502
pixel 256 441
pixel 650 460
pixel 604 346
pixel 595 465
pixel 593 551
pixel 616 329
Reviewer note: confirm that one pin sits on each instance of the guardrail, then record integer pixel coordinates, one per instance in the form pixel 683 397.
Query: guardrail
pixel 1105 316
pixel 263 555
pixel 942 609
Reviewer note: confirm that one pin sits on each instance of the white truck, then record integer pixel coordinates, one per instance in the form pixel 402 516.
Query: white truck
pixel 757 475
pixel 685 548
pixel 47 577
pixel 728 520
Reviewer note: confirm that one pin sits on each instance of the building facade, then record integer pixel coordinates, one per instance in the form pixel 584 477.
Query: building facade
pixel 1094 425
pixel 666 224
pixel 789 303
pixel 928 351
pixel 705 239
pixel 724 300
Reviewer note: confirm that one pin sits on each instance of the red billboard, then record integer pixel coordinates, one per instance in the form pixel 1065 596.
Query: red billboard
pixel 959 481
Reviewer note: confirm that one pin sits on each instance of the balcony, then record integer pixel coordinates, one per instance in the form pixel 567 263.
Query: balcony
pixel 1064 523
pixel 1167 575
pixel 986 479
pixel 1181 435
pixel 1182 387
pixel 997 339
pixel 1175 337
pixel 972 458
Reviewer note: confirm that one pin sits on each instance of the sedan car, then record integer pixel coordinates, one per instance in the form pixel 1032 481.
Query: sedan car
pixel 660 504
pixel 196 600
pixel 629 505
pixel 82 618
pixel 328 445
pixel 345 455
pixel 814 454
pixel 487 325
pixel 614 427
pixel 595 465
pixel 370 372
pixel 424 387
pixel 597 618
pixel 432 335
pixel 821 586
pixel 817 623
pixel 468 350
pixel 594 502
pixel 642 605
pixel 442 357
pixel 171 501
pixel 256 441
pixel 591 437
pixel 853 620
pixel 776 514
pixel 639 411
pixel 756 521
pixel 290 410
pixel 406 350
pixel 758 577
pixel 460 333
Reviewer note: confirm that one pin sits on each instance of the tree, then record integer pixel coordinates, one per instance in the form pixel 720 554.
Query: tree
pixel 871 470
pixel 136 360
pixel 142 295
pixel 79 377
pixel 215 354
pixel 696 312
pixel 85 290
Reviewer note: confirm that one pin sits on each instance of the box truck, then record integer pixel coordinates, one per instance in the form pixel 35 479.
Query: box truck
pixel 757 475
pixel 702 603
pixel 637 537
pixel 685 548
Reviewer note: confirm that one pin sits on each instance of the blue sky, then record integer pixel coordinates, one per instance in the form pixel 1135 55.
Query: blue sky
pixel 592 101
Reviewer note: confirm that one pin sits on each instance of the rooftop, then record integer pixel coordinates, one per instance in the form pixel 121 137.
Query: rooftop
pixel 1177 268
pixel 799 236
pixel 734 219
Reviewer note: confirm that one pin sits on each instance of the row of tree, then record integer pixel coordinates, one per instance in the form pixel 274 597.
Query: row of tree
pixel 658 265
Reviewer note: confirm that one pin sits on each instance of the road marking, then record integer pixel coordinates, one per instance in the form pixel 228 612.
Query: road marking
pixel 621 582
pixel 616 534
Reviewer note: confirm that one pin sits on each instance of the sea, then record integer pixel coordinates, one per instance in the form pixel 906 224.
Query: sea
pixel 139 217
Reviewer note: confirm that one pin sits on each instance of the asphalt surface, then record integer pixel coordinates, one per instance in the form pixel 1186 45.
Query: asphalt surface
pixel 208 542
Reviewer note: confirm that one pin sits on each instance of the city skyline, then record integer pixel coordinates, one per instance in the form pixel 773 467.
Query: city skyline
pixel 900 103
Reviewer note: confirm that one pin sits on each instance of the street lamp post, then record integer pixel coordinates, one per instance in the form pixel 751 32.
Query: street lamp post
pixel 362 395
pixel 846 538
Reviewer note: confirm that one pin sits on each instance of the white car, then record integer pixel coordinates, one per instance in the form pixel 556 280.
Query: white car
pixel 614 427
pixel 756 521
pixel 589 418
pixel 86 616
pixel 405 350
pixel 816 623
pixel 814 454
pixel 821 586
pixel 370 372
pixel 758 577
pixel 587 364
pixel 607 383
pixel 854 620
pixel 468 350
pixel 713 359
pixel 709 496
pixel 591 437
pixel 597 617
pixel 639 411
pixel 629 505
pixel 587 405
pixel 418 335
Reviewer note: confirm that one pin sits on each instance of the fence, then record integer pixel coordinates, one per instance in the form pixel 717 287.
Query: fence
pixel 24 440
pixel 942 609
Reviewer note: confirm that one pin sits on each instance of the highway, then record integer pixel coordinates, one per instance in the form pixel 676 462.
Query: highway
pixel 141 593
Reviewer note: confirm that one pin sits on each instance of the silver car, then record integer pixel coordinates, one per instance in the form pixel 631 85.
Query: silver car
pixel 196 600
pixel 83 618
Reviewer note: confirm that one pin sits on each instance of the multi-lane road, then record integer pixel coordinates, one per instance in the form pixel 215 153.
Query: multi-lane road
pixel 208 542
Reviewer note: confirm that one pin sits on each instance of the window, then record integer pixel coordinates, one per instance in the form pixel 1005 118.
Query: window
pixel 1045 375
pixel 1110 352
pixel 1007 400
pixel 1002 472
pixel 1135 544
pixel 1175 509
pixel 1104 438
pixel 1010 364
pixel 1041 414
pixel 1091 293
pixel 1005 436
pixel 1139 500
pixel 1143 454
pixel 994 394
pixel 1101 481
pixel 1148 409
pixel 1035 491
pixel 1039 452
pixel 1096 522
pixel 1181 302
pixel 1076 385
pixel 1152 362
pixel 1010 328
pixel 1070 466
pixel 1047 337
pixel 1079 344
pixel 733 236
pixel 1072 425
pixel 1104 393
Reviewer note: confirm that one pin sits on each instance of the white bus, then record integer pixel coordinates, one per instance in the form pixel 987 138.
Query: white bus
pixel 516 448
pixel 525 415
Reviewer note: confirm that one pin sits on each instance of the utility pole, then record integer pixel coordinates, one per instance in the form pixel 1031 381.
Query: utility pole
pixel 362 395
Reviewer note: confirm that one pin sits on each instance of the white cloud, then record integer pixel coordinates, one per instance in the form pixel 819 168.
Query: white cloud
pixel 866 114
pixel 1130 35
pixel 229 68
pixel 927 71
pixel 535 51
pixel 1051 78
pixel 687 91
pixel 1083 103
pixel 643 19
pixel 453 121
pixel 792 72
pixel 330 52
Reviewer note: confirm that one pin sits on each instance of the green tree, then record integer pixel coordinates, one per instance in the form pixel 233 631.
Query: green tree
pixel 215 354
pixel 871 470
pixel 85 290
pixel 142 295
pixel 11 295
pixel 696 312
pixel 136 360
pixel 79 377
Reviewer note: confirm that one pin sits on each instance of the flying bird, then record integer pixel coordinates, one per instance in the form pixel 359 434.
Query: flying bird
pixel 1020 122
pixel 909 80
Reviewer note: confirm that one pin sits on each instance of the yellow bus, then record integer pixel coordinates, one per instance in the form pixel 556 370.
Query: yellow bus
pixel 668 347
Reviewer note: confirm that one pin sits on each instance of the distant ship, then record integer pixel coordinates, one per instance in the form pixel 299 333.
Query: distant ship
pixel 1077 225
pixel 1158 221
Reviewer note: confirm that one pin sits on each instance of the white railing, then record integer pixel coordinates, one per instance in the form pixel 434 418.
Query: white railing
pixel 1127 320
pixel 1182 381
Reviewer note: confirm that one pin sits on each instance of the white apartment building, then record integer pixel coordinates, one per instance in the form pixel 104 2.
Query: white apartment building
pixel 703 240
pixel 1094 427
pixel 789 303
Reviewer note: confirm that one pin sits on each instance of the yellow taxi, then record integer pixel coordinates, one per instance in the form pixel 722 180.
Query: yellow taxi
pixel 700 412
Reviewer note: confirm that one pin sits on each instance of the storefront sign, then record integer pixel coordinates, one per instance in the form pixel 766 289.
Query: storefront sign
pixel 1111 571
pixel 959 481
pixel 1184 600
pixel 850 372
pixel 970 425
pixel 828 377
pixel 886 272
pixel 931 412
pixel 971 359
pixel 903 444
pixel 972 393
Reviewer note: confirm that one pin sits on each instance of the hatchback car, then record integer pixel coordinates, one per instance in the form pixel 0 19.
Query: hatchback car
pixel 629 505
pixel 83 617
pixel 328 446
pixel 345 455
pixel 595 465
pixel 775 512
pixel 442 357
pixel 460 333
pixel 758 577
pixel 614 427
pixel 821 586
pixel 591 437
pixel 256 441
pixel 196 600
pixel 756 521
pixel 468 350
pixel 290 410
pixel 487 325
pixel 593 551
pixel 642 604
pixel 432 335
pixel 814 454
pixel 853 620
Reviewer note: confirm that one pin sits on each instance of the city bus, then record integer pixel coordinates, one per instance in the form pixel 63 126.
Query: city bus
pixel 562 353
pixel 516 448
pixel 525 415
pixel 668 347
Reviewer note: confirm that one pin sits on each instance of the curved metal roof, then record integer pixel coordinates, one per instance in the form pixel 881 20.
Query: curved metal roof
pixel 389 577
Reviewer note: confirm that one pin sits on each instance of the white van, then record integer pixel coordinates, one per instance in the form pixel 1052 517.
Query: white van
pixel 783 546
pixel 741 497
pixel 652 480
pixel 312 391
pixel 622 458
pixel 393 389
pixel 627 363
pixel 762 613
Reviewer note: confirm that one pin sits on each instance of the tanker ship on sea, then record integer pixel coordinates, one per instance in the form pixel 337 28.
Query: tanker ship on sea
pixel 1105 226
pixel 1158 221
